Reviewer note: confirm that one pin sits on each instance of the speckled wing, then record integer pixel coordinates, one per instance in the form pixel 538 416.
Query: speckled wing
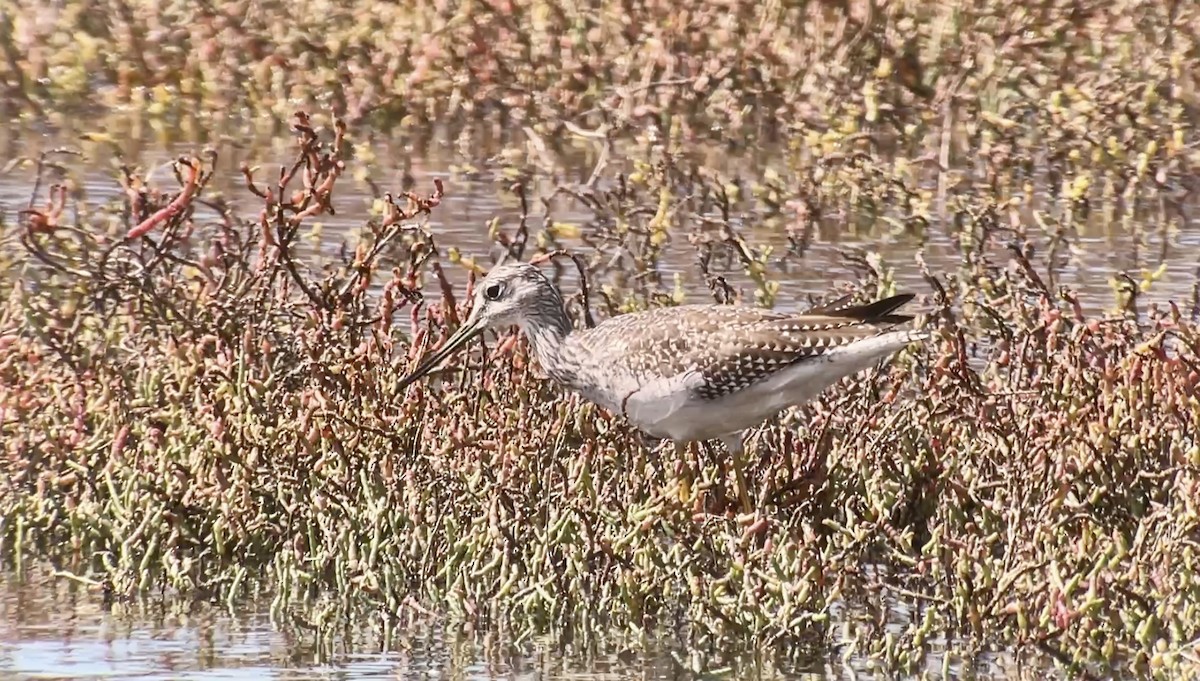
pixel 758 352
pixel 722 349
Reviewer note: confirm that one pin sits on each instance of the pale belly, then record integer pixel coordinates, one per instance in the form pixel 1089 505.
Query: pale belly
pixel 683 417
pixel 698 419
pixel 675 412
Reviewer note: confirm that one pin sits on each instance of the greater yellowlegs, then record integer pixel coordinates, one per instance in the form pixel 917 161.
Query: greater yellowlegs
pixel 691 372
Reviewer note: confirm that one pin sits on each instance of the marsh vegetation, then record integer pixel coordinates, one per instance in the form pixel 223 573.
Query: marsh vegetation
pixel 198 376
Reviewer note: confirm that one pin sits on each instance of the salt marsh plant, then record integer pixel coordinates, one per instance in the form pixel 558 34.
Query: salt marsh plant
pixel 188 406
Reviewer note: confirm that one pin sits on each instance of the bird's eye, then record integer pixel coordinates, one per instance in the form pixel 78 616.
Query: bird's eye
pixel 493 291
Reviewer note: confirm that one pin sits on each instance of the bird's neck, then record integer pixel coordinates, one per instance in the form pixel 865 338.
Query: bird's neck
pixel 547 336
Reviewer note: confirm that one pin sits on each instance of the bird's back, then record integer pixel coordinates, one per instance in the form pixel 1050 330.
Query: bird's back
pixel 713 350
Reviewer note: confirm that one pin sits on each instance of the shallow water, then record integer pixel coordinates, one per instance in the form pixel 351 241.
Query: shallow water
pixel 54 629
pixel 48 632
pixel 1097 252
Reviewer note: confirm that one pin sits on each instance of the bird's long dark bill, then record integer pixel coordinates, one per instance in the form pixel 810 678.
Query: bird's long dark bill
pixel 459 340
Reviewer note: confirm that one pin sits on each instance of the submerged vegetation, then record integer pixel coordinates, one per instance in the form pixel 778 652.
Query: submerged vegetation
pixel 189 405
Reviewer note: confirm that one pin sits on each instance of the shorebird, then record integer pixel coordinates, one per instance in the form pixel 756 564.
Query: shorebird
pixel 686 373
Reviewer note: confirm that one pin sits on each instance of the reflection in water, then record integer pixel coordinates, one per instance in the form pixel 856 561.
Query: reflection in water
pixel 49 630
pixel 53 629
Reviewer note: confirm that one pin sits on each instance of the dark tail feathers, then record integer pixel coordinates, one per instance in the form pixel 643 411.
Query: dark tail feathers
pixel 878 312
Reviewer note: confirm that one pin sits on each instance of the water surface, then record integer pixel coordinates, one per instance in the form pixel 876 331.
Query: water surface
pixel 54 629
pixel 477 191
